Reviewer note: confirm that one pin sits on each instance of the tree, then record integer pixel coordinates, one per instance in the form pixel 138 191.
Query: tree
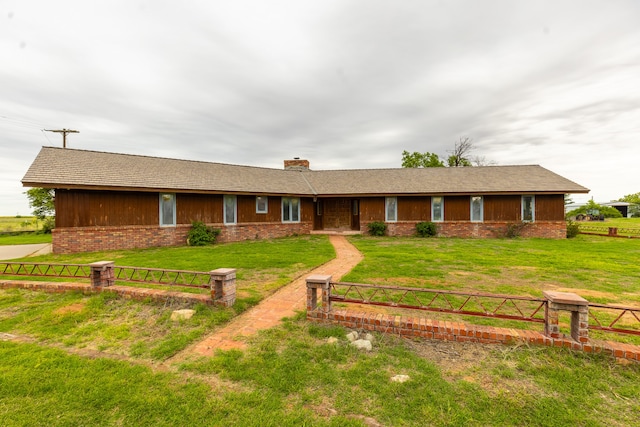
pixel 591 206
pixel 42 202
pixel 421 160
pixel 634 199
pixel 459 157
pixel 460 153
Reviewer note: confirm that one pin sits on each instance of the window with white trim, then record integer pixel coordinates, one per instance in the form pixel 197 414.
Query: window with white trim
pixel 477 209
pixel 437 209
pixel 528 208
pixel 262 204
pixel 230 209
pixel 167 210
pixel 391 209
pixel 290 209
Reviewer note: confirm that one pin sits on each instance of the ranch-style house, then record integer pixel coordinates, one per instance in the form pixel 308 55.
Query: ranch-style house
pixel 108 201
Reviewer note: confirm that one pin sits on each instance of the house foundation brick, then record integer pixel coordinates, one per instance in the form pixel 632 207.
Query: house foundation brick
pixel 468 229
pixel 92 239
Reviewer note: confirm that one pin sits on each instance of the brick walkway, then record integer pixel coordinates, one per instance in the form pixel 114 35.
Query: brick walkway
pixel 283 303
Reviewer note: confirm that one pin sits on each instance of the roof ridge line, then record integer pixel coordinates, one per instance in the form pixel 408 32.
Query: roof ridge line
pixel 315 193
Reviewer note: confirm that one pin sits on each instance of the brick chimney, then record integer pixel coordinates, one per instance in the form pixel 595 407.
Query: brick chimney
pixel 296 164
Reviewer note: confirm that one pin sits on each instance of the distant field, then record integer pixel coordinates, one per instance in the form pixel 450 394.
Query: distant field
pixel 621 223
pixel 21 223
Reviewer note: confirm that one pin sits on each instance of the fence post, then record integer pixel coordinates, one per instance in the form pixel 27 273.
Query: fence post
pixel 315 282
pixel 613 231
pixel 102 273
pixel 579 308
pixel 223 286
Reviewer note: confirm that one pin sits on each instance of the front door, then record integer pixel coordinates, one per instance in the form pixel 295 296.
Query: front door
pixel 337 214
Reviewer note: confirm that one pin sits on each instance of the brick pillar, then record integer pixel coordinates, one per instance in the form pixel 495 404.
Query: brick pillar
pixel 102 273
pixel 579 308
pixel 315 282
pixel 223 286
pixel 613 231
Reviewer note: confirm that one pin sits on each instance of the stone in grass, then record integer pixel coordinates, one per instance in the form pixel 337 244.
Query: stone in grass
pixel 352 336
pixel 400 378
pixel 332 340
pixel 362 345
pixel 369 337
pixel 184 314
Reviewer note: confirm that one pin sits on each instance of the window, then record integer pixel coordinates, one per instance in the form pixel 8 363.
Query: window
pixel 391 209
pixel 167 210
pixel 290 209
pixel 230 209
pixel 262 204
pixel 355 208
pixel 477 209
pixel 319 207
pixel 437 209
pixel 528 208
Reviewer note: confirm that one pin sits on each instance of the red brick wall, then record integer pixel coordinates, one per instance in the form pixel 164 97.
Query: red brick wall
pixel 466 229
pixel 92 239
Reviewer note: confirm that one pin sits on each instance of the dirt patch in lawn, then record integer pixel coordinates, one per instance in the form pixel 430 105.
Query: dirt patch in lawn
pixel 76 307
pixel 475 363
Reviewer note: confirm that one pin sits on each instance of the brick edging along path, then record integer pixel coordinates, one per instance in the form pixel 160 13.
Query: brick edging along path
pixel 283 303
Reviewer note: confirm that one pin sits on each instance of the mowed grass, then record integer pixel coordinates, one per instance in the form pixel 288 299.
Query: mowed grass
pixel 291 376
pixel 72 359
pixel 24 238
pixel 600 269
pixel 262 265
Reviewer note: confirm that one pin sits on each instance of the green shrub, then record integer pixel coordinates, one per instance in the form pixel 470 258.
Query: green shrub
pixel 573 229
pixel 426 229
pixel 377 228
pixel 515 229
pixel 48 224
pixel 201 235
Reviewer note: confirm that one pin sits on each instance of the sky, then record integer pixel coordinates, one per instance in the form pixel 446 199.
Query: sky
pixel 345 84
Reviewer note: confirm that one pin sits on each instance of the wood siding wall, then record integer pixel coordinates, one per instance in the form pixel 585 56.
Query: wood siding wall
pixel 502 208
pixel 457 208
pixel 78 208
pixel 550 207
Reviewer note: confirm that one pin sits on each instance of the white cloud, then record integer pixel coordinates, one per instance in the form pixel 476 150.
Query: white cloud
pixel 346 84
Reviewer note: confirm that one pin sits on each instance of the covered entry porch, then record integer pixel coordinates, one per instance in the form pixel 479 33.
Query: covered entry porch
pixel 337 214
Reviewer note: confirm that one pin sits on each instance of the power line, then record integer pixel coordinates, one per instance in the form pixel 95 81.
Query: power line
pixel 64 133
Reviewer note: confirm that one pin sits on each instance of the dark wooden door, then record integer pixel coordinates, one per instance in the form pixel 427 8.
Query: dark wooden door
pixel 337 213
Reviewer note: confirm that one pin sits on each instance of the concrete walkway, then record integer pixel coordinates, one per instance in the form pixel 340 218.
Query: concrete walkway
pixel 22 251
pixel 283 303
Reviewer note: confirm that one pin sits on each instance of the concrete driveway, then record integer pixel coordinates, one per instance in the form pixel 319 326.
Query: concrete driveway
pixel 21 251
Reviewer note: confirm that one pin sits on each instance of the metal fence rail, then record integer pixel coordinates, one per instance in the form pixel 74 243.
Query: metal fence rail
pixel 185 278
pixel 613 318
pixel 527 309
pixel 157 276
pixel 73 271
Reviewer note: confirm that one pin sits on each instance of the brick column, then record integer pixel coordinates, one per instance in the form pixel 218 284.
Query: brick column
pixel 315 282
pixel 579 308
pixel 102 273
pixel 613 231
pixel 223 286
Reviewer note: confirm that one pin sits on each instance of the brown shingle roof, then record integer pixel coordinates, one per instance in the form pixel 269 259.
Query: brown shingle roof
pixel 69 168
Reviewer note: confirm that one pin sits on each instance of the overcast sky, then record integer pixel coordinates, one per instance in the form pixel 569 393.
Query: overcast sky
pixel 344 84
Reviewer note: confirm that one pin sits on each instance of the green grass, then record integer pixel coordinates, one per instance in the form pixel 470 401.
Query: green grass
pixel 262 265
pixel 290 376
pixel 24 238
pixel 19 223
pixel 587 265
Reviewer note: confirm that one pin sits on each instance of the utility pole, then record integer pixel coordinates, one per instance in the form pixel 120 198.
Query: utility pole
pixel 64 133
